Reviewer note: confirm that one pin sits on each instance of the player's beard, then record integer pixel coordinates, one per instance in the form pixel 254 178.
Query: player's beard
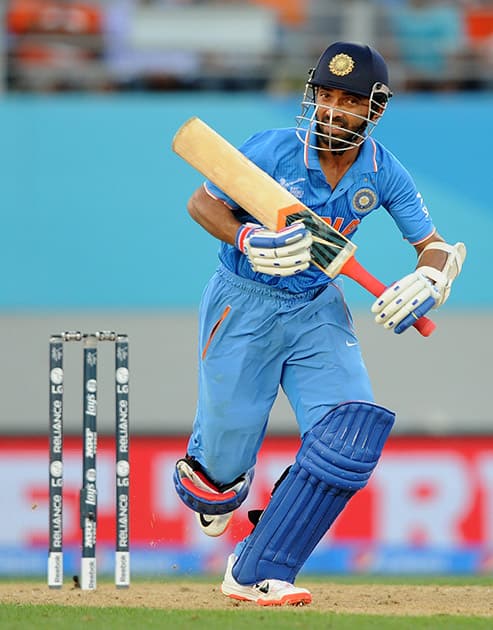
pixel 347 135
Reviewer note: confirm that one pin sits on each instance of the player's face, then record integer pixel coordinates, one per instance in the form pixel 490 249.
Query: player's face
pixel 341 117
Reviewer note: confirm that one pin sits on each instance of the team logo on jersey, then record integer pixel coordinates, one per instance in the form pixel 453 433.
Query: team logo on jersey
pixel 364 200
pixel 341 64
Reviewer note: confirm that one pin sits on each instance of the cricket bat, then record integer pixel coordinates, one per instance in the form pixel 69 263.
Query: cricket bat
pixel 271 204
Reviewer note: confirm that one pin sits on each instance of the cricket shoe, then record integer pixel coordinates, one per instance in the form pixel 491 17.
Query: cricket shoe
pixel 265 593
pixel 214 525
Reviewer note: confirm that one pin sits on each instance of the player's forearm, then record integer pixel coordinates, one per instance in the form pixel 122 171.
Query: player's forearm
pixel 214 216
pixel 433 257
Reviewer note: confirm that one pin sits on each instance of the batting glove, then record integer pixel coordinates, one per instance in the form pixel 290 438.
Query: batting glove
pixel 282 253
pixel 405 301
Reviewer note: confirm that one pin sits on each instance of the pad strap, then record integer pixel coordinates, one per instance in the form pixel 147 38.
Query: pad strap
pixel 335 460
pixel 202 495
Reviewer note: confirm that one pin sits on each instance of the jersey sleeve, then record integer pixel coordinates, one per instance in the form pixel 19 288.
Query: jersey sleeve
pixel 405 203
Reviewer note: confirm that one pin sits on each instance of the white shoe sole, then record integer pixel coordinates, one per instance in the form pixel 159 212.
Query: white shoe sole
pixel 268 593
pixel 289 599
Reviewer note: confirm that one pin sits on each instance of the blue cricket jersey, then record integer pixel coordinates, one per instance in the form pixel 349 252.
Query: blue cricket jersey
pixel 376 179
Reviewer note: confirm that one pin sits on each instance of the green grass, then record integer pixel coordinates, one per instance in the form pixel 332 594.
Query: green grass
pixel 26 617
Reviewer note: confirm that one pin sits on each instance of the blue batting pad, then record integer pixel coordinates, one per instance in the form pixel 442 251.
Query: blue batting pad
pixel 335 460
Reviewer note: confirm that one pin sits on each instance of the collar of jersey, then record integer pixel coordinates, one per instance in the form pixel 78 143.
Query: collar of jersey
pixel 366 162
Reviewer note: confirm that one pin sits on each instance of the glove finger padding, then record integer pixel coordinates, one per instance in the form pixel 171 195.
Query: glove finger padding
pixel 409 308
pixel 300 247
pixel 418 312
pixel 282 253
pixel 286 266
pixel 403 298
pixel 267 239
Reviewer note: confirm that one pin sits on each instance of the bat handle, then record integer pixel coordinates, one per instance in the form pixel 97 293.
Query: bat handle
pixel 357 272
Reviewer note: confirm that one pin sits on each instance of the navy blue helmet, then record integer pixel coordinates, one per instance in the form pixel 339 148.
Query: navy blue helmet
pixel 351 67
pixel 354 68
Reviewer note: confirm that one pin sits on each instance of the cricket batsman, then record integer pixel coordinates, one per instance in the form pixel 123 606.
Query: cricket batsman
pixel 269 319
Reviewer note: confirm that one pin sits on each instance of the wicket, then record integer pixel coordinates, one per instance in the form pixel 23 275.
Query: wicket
pixel 88 493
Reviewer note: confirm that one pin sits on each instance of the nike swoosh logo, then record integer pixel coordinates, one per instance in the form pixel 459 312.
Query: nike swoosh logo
pixel 350 344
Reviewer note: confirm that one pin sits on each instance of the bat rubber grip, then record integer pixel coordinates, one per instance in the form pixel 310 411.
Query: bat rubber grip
pixel 425 326
pixel 354 270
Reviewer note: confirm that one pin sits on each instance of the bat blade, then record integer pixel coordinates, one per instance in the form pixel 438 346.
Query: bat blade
pixel 208 152
pixel 275 207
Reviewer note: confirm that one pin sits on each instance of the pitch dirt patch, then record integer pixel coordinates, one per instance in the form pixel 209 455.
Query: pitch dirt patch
pixel 374 599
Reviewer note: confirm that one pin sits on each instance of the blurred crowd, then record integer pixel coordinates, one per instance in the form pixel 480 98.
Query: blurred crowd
pixel 157 45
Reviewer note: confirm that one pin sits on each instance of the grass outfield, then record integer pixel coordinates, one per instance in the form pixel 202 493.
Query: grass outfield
pixel 81 618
